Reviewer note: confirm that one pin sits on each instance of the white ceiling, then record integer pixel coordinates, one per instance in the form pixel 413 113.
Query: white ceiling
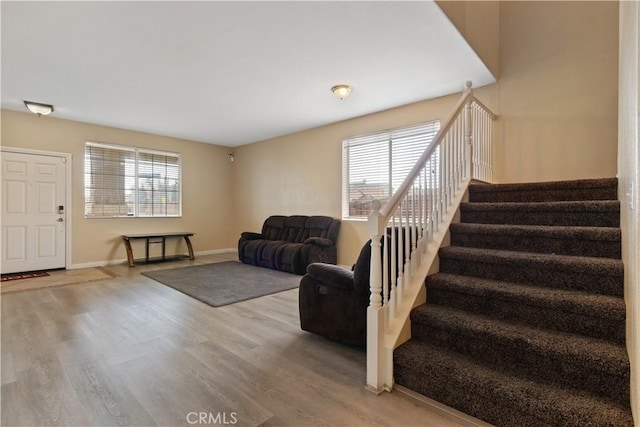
pixel 229 73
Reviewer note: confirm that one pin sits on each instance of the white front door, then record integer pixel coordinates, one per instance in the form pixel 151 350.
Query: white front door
pixel 33 212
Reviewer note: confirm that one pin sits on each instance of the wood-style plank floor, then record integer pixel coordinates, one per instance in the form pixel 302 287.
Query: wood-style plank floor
pixel 131 351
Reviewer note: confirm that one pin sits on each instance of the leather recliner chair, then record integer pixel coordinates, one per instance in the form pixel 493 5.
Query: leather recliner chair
pixel 333 300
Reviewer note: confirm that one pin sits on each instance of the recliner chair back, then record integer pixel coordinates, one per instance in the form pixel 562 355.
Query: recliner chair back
pixel 362 267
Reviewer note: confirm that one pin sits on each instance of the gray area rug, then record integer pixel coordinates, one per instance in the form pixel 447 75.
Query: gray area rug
pixel 226 282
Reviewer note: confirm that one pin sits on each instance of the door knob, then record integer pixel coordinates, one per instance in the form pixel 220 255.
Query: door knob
pixel 60 219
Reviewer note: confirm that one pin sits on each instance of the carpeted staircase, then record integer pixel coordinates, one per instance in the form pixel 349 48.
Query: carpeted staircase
pixel 525 322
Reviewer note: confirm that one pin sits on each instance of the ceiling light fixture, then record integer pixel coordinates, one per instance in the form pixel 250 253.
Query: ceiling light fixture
pixel 38 108
pixel 341 91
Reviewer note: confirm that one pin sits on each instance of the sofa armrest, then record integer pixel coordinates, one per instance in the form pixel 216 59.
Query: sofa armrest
pixel 252 236
pixel 331 275
pixel 320 241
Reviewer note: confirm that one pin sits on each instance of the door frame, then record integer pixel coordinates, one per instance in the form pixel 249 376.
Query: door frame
pixel 68 199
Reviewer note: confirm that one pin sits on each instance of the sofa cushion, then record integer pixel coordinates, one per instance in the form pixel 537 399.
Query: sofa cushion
pixel 322 226
pixel 320 241
pixel 273 227
pixel 269 253
pixel 294 229
pixel 248 235
pixel 250 251
pixel 289 258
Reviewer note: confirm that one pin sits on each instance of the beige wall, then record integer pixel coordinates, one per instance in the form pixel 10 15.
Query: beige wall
pixel 556 99
pixel 556 64
pixel 206 185
pixel 558 90
pixel 301 173
pixel 629 178
pixel 478 22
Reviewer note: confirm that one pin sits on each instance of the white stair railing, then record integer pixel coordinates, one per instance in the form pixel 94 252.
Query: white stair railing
pixel 407 232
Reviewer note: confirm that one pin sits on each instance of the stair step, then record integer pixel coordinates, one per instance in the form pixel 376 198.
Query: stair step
pixel 597 213
pixel 525 322
pixel 569 360
pixel 580 241
pixel 597 316
pixel 598 275
pixel 498 398
pixel 583 189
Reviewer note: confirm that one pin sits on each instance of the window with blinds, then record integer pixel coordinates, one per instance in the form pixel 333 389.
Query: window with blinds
pixel 130 182
pixel 375 165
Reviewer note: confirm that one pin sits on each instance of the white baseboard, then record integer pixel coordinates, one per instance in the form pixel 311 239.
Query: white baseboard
pixel 465 419
pixel 217 251
pixel 124 260
pixel 97 264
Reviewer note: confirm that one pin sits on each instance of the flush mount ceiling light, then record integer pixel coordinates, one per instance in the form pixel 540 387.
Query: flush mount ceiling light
pixel 341 91
pixel 38 108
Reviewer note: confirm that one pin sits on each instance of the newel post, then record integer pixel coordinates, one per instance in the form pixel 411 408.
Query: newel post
pixel 468 130
pixel 375 314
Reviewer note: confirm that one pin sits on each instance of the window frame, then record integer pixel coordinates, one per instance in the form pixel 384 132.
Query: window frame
pixel 378 137
pixel 136 190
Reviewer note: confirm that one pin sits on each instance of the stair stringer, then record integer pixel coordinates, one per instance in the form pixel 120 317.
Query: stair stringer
pixel 397 311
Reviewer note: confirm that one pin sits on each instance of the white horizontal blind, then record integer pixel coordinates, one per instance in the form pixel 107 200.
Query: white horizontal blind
pixel 375 165
pixel 128 182
pixel 158 184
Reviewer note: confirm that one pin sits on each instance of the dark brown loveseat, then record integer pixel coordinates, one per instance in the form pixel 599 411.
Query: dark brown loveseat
pixel 290 243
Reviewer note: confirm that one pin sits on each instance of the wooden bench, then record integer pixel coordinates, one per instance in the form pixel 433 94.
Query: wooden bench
pixel 153 238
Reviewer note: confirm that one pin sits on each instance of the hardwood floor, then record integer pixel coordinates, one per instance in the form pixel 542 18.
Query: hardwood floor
pixel 131 351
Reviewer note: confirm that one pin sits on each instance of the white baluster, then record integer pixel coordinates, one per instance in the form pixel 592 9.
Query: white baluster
pixel 463 150
pixel 440 186
pixel 400 245
pixel 407 245
pixel 456 166
pixel 423 207
pixel 485 147
pixel 482 118
pixel 468 141
pixel 414 242
pixel 446 173
pixel 375 313
pixel 375 279
pixel 390 294
pixel 394 260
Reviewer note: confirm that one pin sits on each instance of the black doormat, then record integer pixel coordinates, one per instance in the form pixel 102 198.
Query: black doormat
pixel 28 275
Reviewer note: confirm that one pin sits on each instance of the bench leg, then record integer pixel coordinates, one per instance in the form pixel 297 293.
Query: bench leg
pixel 146 251
pixel 186 239
pixel 127 246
